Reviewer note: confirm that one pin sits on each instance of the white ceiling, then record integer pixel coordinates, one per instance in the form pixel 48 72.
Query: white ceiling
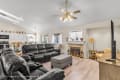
pixel 43 13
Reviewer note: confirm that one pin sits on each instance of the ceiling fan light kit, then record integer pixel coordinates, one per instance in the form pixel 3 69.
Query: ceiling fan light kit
pixel 68 16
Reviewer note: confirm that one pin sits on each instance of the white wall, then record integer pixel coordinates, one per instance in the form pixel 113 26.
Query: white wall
pixel 102 37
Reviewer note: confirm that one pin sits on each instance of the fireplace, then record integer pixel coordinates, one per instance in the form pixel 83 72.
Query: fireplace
pixel 76 50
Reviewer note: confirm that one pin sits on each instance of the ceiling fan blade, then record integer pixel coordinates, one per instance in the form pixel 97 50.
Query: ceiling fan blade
pixel 77 11
pixel 73 17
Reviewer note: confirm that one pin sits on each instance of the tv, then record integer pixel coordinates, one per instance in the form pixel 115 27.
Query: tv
pixel 113 44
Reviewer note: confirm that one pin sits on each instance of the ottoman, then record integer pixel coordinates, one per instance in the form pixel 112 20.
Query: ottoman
pixel 61 61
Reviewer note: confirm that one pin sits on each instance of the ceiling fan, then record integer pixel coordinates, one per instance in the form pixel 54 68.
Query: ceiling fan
pixel 67 14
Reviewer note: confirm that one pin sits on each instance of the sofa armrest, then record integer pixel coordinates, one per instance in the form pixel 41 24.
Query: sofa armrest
pixel 34 65
pixel 43 69
pixel 57 50
pixel 55 74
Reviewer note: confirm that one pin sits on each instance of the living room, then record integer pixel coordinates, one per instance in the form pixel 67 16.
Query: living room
pixel 59 40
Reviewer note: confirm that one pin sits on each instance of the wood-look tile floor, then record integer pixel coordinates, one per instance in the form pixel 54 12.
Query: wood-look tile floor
pixel 82 69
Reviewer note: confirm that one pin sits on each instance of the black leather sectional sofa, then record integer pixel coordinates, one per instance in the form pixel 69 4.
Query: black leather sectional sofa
pixel 14 67
pixel 40 52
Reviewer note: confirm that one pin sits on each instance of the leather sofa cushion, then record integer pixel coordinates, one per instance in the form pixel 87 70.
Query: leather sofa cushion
pixel 39 56
pixel 48 46
pixel 50 50
pixel 47 54
pixel 29 48
pixel 33 66
pixel 51 53
pixel 42 51
pixel 40 46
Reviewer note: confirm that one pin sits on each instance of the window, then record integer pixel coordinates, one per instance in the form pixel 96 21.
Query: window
pixel 31 38
pixel 57 38
pixel 45 39
pixel 75 36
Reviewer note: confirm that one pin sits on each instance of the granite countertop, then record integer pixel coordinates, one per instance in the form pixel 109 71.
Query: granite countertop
pixel 116 62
